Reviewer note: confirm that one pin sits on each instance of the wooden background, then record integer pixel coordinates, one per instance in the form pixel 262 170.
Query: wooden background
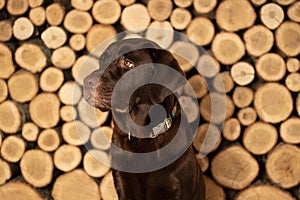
pixel 45 122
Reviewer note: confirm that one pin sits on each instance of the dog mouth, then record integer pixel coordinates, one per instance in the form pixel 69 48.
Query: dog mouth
pixel 100 101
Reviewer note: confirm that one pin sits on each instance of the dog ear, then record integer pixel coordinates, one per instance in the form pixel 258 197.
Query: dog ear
pixel 157 92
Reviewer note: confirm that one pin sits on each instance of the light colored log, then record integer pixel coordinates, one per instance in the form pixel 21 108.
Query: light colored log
pixel 37 168
pixel 2 4
pixel 68 113
pixel 290 46
pixel 23 28
pixel 203 162
pixel 298 104
pixel 283 167
pixel 234 15
pixel 106 11
pixel 55 13
pixel 84 5
pixel 101 137
pixel 5 30
pixel 35 3
pixel 37 16
pixel 12 149
pixel 242 73
pixel 3 90
pixel 199 85
pixel 107 188
pixel 22 86
pixel 201 31
pixel 228 48
pixel 271 15
pixel 273 102
pixel 77 42
pixel 234 168
pixel 44 110
pixel 207 139
pixel 51 79
pixel 223 82
pixel 208 66
pixel 5 172
pixel 258 2
pixel 135 18
pixel 292 82
pixel 285 2
pixel 204 6
pixel 70 93
pixel 30 57
pixel 63 57
pixel 126 2
pixel 77 21
pixel 183 3
pixel 293 11
pixel 160 10
pixel 30 131
pixel 96 163
pixel 74 185
pixel 54 37
pixel 293 65
pixel 231 129
pixel 247 116
pixel 180 18
pixel 67 157
pixel 10 117
pixel 189 105
pixel 242 96
pixel 48 140
pixel 17 7
pixel 160 32
pixel 213 190
pixel 19 190
pixel 75 133
pixel 289 130
pixel 6 62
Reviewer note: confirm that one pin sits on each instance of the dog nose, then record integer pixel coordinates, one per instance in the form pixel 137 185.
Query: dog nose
pixel 90 82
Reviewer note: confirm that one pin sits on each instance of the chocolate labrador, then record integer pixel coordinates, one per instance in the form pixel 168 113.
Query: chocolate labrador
pixel 169 179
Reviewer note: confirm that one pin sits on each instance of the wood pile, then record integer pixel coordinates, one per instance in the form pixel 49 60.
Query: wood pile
pixel 45 123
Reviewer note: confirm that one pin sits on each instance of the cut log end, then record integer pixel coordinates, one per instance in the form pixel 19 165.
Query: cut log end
pixel 101 137
pixel 67 157
pixel 160 9
pixel 107 188
pixel 289 130
pixel 180 18
pixel 247 116
pixel 55 14
pixel 232 129
pixel 242 73
pixel 96 163
pixel 30 131
pixel 5 172
pixel 6 31
pixel 131 20
pixel 10 117
pixel 51 79
pixel 203 6
pixel 77 42
pixel 37 16
pixel 48 140
pixel 23 28
pixel 3 90
pixel 19 190
pixel 75 133
pixel 12 149
pixel 271 15
pixel 293 65
pixel 54 37
pixel 213 190
pixel 68 113
pixel 201 31
pixel 242 96
pixel 106 11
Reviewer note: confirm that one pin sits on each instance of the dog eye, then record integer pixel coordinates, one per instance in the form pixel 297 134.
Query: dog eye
pixel 128 63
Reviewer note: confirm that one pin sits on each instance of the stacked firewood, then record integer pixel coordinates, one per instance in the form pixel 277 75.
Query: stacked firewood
pixel 45 124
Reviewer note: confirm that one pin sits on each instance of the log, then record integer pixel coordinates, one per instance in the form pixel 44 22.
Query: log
pixel 221 111
pixel 189 106
pixel 10 117
pixel 292 82
pixel 271 67
pixel 44 110
pixel 77 42
pixel 54 37
pixel 180 18
pixel 242 73
pixel 12 149
pixel 201 31
pixel 227 47
pixel 293 65
pixel 183 3
pixel 96 163
pixel 84 5
pixel 126 2
pixel 258 40
pixel 199 85
pixel 203 6
pixel 48 140
pixel 242 96
pixel 234 168
pixel 37 168
pixel 247 116
pixel 263 192
pixel 161 33
pixel 258 2
pixel 23 28
pixel 285 2
pixel 51 79
pixel 203 162
pixel 22 86
pixel 293 11
pixel 90 115
pixel 30 131
pixel 289 131
pixel 273 102
pixel 19 190
pixel 101 137
pixel 290 46
pixel 213 190
pixel 231 129
pixel 6 62
pixel 67 157
pixel 70 93
pixel 160 10
pixel 30 57
pixel 298 104
pixel 77 21
pixel 16 7
pixel 35 3
pixel 207 139
pixel 37 16
pixel 234 15
pixel 259 138
pixel 74 185
pixel 106 11
pixel 208 66
pixel 282 165
pixel 2 4
pixel 135 17
pixel 68 113
pixel 223 82
pixel 55 13
pixel 63 57
pixel 5 30
pixel 271 15
pixel 107 188
pixel 5 172
pixel 3 90
pixel 75 133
